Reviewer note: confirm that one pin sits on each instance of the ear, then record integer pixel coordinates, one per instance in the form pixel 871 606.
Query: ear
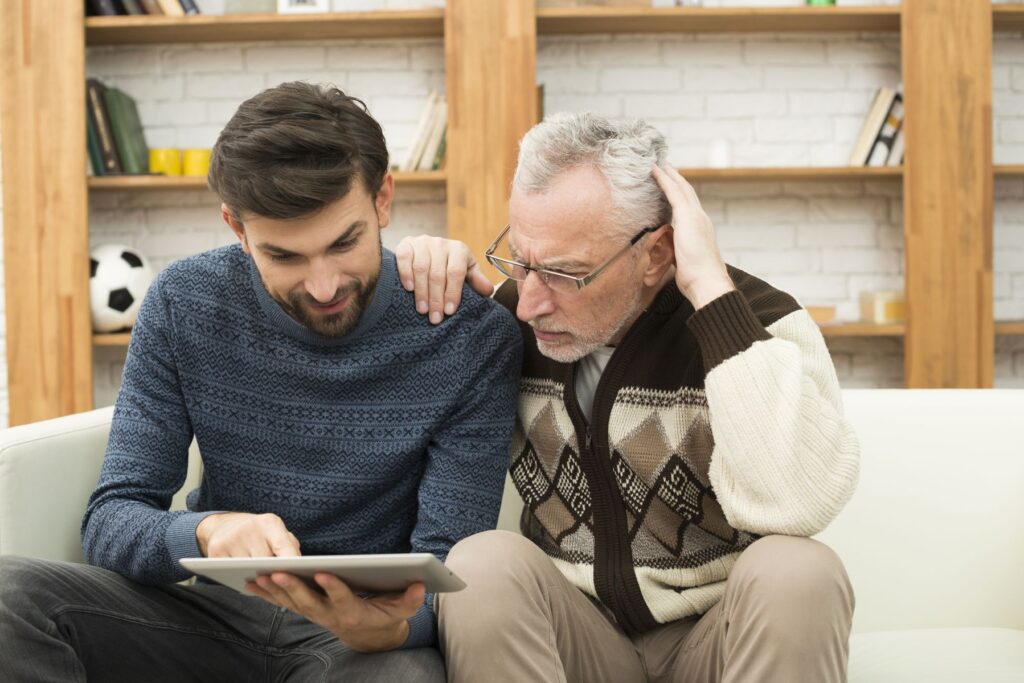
pixel 385 195
pixel 660 255
pixel 236 226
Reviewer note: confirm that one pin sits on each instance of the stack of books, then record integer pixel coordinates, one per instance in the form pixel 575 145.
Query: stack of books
pixel 881 139
pixel 427 148
pixel 114 133
pixel 112 8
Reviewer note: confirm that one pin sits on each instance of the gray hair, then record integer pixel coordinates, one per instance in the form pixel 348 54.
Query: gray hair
pixel 623 151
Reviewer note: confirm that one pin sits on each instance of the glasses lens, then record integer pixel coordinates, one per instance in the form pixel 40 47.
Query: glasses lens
pixel 560 283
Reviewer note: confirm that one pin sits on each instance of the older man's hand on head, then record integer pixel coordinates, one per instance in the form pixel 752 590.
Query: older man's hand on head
pixel 701 274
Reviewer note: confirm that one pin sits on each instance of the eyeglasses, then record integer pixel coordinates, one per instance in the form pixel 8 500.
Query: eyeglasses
pixel 559 282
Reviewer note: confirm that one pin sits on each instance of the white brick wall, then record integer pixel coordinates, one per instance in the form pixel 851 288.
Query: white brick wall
pixel 186 93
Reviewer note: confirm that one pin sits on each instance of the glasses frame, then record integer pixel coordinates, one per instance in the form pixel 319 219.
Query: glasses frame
pixel 545 274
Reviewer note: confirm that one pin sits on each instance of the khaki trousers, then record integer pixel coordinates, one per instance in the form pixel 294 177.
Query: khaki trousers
pixel 785 617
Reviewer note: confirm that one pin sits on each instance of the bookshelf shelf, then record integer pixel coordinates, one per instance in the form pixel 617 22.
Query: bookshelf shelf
pixel 863 330
pixel 828 330
pixel 1009 170
pixel 1010 327
pixel 794 173
pixel 715 20
pixel 1008 17
pixel 116 339
pixel 136 30
pixel 158 182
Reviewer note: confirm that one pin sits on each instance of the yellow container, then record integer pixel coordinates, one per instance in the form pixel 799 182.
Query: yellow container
pixel 197 162
pixel 165 161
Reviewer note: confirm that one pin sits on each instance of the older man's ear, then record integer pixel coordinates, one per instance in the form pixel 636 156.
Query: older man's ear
pixel 659 257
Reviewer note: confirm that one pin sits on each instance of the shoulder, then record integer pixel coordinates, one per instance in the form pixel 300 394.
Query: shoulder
pixel 209 272
pixel 485 315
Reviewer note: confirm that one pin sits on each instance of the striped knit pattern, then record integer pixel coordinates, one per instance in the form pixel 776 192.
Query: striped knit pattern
pixel 709 430
pixel 391 439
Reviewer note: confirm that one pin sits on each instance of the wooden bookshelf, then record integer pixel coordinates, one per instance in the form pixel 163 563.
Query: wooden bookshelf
pixel 828 330
pixel 160 182
pixel 863 330
pixel 1010 327
pixel 794 173
pixel 139 30
pixel 577 20
pixel 1009 170
pixel 1008 17
pixel 115 339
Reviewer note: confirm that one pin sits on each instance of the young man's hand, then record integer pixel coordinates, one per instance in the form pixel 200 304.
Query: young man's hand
pixel 373 624
pixel 435 269
pixel 242 534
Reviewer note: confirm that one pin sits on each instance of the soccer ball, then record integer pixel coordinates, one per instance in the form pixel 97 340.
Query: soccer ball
pixel 118 279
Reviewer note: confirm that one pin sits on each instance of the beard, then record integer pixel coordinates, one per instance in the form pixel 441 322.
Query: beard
pixel 584 342
pixel 302 308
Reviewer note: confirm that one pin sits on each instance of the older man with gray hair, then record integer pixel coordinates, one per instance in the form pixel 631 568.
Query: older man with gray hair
pixel 680 435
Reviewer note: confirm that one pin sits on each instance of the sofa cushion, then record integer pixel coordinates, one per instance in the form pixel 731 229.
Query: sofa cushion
pixel 941 655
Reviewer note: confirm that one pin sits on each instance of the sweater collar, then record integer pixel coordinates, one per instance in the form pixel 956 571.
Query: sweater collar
pixel 277 316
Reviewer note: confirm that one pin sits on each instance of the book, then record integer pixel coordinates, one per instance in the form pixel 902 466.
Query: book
pixel 418 141
pixel 131 7
pixel 152 7
pixel 891 125
pixel 96 110
pixel 171 8
pixel 189 6
pixel 127 129
pixel 872 124
pixel 896 155
pixel 92 143
pixel 437 128
pixel 103 8
pixel 442 149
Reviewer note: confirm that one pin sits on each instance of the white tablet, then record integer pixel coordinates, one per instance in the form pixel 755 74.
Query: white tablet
pixel 362 573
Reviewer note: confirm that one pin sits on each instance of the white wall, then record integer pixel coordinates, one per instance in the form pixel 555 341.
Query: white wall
pixel 779 99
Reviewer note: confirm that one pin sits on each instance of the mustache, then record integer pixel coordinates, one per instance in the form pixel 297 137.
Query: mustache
pixel 298 298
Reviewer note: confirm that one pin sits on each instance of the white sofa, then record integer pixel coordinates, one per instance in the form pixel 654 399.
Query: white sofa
pixel 933 540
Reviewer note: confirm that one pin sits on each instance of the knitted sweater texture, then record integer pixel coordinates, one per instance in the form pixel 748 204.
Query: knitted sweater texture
pixel 391 439
pixel 709 429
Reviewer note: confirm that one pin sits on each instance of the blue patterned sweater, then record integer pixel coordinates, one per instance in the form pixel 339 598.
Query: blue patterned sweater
pixel 391 439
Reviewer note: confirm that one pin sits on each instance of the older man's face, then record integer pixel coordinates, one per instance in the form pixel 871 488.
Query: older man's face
pixel 566 229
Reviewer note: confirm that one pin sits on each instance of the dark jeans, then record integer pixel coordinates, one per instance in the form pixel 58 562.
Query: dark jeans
pixel 72 622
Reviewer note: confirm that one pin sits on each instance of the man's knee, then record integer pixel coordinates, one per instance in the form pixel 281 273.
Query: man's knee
pixel 18 575
pixel 793 568
pixel 491 555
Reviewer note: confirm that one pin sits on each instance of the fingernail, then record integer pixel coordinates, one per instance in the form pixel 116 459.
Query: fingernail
pixel 408 285
pixel 421 306
pixel 435 317
pixel 449 308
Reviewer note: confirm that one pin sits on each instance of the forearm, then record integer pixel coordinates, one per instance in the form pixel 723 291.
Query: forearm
pixel 785 459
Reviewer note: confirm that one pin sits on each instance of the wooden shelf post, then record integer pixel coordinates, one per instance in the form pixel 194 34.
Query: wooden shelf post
pixel 46 237
pixel 490 59
pixel 947 194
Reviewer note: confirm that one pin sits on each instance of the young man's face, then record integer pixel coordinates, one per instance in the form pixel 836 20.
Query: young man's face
pixel 321 269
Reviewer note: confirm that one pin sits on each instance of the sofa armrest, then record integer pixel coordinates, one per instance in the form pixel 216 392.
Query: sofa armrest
pixel 48 470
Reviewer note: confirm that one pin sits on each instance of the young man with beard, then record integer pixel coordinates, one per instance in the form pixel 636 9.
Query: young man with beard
pixel 331 418
pixel 679 436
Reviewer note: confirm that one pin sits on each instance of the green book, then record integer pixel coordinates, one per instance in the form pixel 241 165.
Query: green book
pixel 127 130
pixel 93 143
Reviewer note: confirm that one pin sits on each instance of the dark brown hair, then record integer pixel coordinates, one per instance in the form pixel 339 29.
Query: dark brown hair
pixel 293 149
